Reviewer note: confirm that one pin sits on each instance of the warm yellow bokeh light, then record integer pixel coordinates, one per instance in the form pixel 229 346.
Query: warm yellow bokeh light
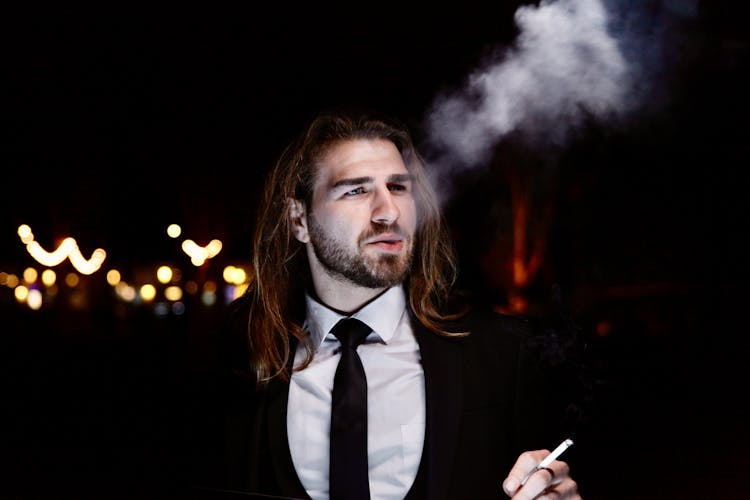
pixel 239 290
pixel 174 230
pixel 55 257
pixel 30 275
pixel 11 281
pixel 198 254
pixel 234 275
pixel 227 273
pixel 87 266
pixel 21 292
pixel 164 274
pixel 125 291
pixel 34 300
pixel 173 293
pixel 24 232
pixel 213 247
pixel 49 277
pixel 240 276
pixel 72 279
pixel 113 277
pixel 67 249
pixel 148 292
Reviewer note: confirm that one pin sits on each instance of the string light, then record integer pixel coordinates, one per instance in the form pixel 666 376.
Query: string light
pixel 87 266
pixel 51 259
pixel 198 254
pixel 67 249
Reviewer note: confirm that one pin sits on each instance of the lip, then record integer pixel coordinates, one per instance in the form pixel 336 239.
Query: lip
pixel 388 242
pixel 389 246
pixel 390 238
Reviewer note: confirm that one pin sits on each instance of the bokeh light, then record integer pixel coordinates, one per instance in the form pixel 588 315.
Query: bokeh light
pixel 34 299
pixel 113 277
pixel 49 277
pixel 173 293
pixel 164 274
pixel 148 292
pixel 174 230
pixel 21 293
pixel 30 275
pixel 72 279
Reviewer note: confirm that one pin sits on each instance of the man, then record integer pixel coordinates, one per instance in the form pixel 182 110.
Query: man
pixel 349 227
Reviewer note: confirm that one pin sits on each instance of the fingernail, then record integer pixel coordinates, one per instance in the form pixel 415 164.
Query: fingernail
pixel 511 485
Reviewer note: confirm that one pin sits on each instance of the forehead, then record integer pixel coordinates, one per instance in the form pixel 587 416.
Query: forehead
pixel 360 158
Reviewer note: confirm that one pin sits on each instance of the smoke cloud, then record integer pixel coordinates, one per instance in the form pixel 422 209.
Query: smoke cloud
pixel 573 62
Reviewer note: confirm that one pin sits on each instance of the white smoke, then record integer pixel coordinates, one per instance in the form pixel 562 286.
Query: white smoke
pixel 573 61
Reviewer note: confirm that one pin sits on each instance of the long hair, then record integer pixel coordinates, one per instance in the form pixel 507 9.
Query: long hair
pixel 280 271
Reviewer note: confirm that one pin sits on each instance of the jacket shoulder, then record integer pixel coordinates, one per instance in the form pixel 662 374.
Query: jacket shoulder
pixel 486 322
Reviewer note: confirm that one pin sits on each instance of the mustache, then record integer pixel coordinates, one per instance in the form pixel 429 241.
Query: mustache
pixel 377 229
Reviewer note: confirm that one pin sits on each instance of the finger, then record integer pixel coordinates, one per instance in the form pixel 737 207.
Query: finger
pixel 543 480
pixel 559 471
pixel 549 495
pixel 526 462
pixel 538 482
pixel 567 489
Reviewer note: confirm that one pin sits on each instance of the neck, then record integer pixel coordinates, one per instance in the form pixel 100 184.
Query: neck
pixel 343 296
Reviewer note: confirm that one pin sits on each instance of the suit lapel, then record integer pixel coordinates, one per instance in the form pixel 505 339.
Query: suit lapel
pixel 442 360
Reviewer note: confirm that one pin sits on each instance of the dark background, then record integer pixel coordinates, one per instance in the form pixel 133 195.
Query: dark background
pixel 113 128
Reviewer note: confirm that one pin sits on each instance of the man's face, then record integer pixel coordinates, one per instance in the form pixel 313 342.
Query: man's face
pixel 363 218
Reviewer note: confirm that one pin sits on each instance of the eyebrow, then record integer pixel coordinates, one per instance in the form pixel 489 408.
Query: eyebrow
pixel 364 180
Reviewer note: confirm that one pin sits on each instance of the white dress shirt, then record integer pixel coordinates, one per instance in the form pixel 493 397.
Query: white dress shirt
pixel 395 398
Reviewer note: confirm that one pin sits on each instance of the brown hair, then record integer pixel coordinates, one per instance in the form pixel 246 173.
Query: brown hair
pixel 280 270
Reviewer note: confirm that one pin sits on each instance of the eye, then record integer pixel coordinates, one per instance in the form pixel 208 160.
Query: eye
pixel 355 191
pixel 398 187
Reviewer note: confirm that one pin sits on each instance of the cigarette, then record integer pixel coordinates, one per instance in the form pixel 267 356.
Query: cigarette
pixel 549 458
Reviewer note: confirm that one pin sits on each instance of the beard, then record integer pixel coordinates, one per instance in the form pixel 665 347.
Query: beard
pixel 368 271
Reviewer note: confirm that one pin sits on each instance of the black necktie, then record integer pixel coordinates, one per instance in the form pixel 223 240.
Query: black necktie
pixel 348 477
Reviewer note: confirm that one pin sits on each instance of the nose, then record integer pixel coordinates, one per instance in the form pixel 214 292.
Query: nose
pixel 385 210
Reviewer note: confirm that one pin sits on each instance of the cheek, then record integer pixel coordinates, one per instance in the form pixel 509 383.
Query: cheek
pixel 338 225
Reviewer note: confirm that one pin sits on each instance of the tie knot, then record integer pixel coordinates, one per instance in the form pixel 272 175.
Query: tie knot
pixel 351 332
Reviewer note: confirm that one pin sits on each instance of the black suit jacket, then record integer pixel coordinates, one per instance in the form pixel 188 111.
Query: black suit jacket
pixel 485 404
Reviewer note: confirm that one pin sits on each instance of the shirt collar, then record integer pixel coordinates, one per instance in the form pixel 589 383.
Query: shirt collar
pixel 382 315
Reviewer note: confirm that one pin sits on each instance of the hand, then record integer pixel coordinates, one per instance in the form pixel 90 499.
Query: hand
pixel 550 482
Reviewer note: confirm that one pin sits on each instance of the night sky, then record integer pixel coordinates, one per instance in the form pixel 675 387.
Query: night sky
pixel 114 111
pixel 114 127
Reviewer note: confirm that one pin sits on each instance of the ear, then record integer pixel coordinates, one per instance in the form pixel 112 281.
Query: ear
pixel 298 219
